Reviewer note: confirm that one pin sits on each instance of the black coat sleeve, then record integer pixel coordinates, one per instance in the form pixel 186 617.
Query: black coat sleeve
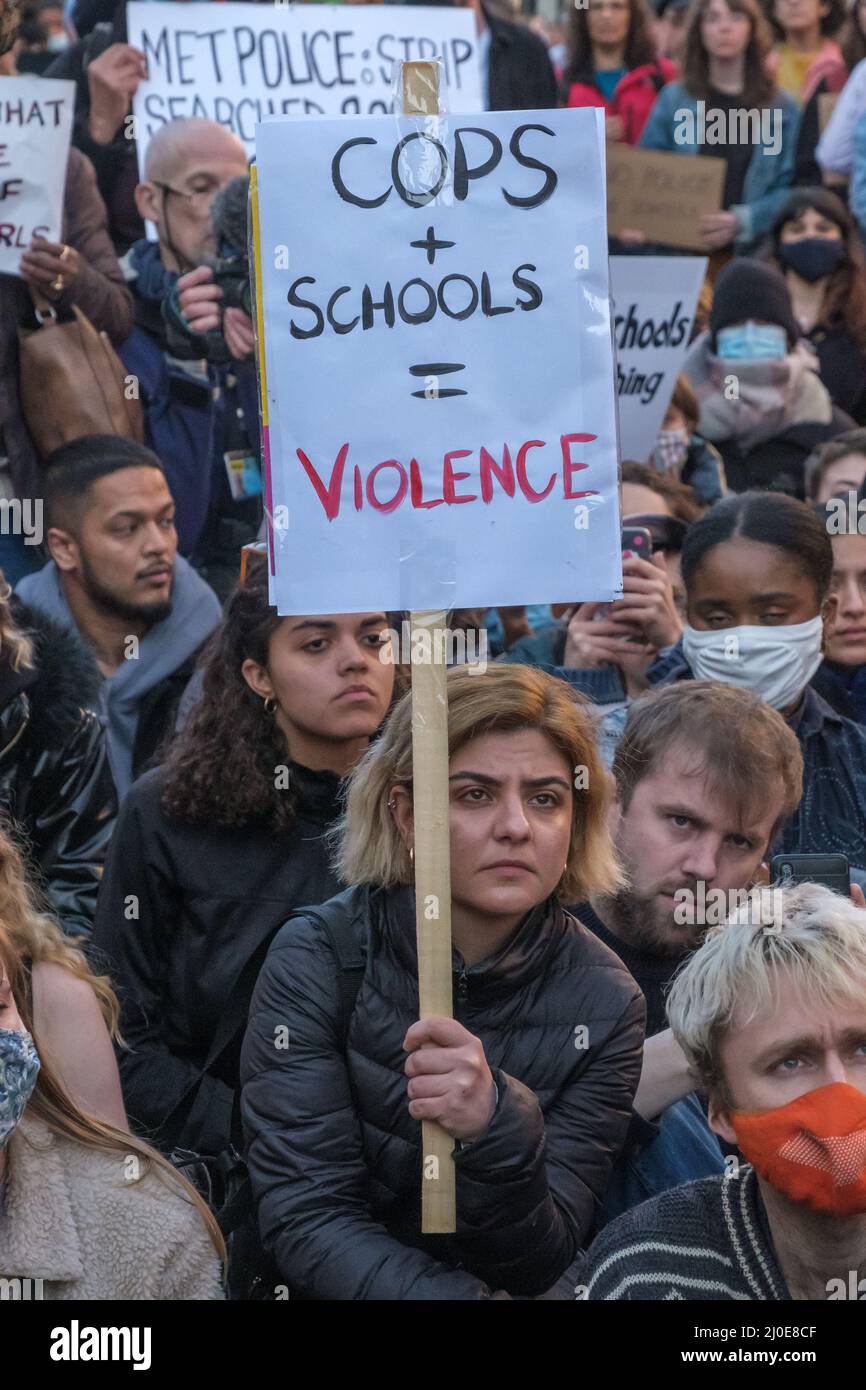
pixel 531 1183
pixel 71 810
pixel 136 918
pixel 304 1142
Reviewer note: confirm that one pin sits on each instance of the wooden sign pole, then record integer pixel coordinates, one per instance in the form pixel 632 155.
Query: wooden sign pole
pixel 430 799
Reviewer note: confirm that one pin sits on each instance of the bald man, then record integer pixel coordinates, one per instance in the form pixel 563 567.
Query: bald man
pixel 187 163
pixel 200 417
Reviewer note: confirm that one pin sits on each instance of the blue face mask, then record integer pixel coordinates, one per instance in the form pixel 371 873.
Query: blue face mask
pixel 751 342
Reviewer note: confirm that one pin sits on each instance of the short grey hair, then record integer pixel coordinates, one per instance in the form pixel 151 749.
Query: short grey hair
pixel 818 940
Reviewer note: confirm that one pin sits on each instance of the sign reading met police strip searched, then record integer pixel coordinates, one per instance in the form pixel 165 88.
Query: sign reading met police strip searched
pixel 239 63
pixel 439 361
pixel 418 404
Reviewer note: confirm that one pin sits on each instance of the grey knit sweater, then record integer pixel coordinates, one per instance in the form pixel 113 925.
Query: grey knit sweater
pixel 704 1240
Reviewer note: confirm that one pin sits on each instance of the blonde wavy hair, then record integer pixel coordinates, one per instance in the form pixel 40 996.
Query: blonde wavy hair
pixel 501 700
pixel 50 1104
pixel 817 940
pixel 34 935
pixel 12 639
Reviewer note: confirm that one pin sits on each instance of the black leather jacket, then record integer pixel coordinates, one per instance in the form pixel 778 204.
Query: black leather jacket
pixel 55 784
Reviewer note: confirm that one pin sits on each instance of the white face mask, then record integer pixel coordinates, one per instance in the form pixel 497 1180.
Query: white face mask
pixel 776 663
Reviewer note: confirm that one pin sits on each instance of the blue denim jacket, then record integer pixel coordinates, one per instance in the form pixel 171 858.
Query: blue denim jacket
pixel 768 177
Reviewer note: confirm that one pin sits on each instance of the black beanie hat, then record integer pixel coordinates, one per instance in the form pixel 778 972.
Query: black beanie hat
pixel 748 289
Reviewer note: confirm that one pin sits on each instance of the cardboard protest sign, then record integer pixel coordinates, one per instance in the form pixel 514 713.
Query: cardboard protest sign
pixel 662 195
pixel 35 128
pixel 654 302
pixel 441 410
pixel 240 64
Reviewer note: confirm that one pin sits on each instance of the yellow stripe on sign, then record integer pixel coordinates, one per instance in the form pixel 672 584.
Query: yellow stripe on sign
pixel 260 313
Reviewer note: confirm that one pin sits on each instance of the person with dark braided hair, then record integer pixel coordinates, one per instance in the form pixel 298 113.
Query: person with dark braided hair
pixel 217 846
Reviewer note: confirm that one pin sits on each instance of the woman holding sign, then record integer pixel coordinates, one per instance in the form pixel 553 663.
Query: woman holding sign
pixel 534 1075
pixel 76 270
pixel 728 107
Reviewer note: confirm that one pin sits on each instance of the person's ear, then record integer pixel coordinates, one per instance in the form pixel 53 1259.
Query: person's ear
pixel 257 679
pixel 148 201
pixel 63 549
pixel 402 809
pixel 718 1118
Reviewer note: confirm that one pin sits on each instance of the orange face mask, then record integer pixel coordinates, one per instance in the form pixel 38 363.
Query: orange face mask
pixel 813 1149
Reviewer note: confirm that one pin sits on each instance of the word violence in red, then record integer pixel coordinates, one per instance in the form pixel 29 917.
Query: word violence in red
pixel 388 484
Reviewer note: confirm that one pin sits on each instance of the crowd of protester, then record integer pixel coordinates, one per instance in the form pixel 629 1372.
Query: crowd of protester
pixel 207 842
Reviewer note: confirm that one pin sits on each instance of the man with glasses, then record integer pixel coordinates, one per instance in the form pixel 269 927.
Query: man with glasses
pixel 188 162
pixel 201 415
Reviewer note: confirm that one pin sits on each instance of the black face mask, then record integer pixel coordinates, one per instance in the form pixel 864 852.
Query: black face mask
pixel 813 257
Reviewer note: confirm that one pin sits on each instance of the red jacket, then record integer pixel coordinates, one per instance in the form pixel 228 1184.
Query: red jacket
pixel 633 98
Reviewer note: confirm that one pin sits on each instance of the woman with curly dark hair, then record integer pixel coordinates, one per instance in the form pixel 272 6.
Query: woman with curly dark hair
pixel 816 245
pixel 612 63
pixel 215 848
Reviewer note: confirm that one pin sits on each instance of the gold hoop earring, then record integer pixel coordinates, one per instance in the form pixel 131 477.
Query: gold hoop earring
pixel 270 704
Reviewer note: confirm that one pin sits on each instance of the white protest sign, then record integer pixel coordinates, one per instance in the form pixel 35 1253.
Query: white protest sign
pixel 239 64
pixel 439 361
pixel 35 129
pixel 654 302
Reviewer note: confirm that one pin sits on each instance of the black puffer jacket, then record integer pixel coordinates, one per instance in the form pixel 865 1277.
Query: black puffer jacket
pixel 334 1156
pixel 182 909
pixel 55 784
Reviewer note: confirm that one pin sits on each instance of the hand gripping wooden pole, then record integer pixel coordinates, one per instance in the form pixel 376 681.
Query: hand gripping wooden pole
pixel 420 90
